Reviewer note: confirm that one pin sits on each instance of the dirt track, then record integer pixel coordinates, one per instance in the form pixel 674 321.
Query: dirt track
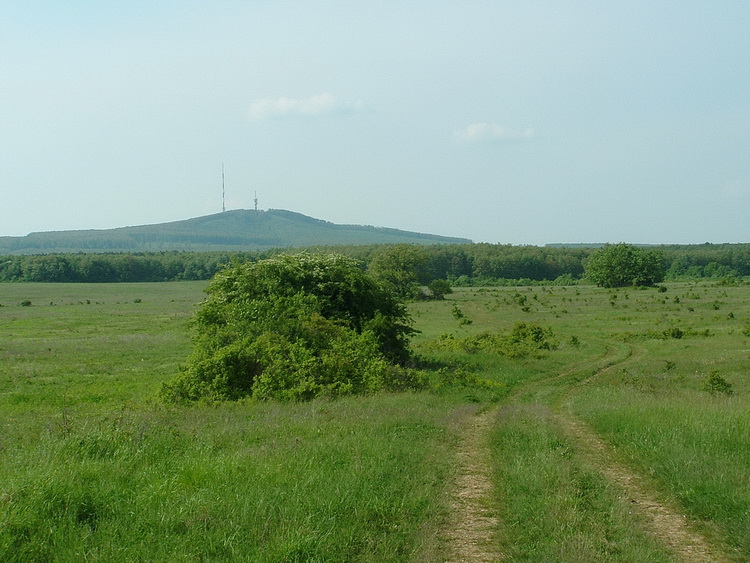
pixel 476 523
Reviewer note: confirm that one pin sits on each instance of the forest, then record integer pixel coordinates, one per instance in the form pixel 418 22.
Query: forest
pixel 462 264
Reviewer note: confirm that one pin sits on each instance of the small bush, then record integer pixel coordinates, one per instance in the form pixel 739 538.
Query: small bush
pixel 26 303
pixel 716 384
pixel 666 334
pixel 439 289
pixel 464 377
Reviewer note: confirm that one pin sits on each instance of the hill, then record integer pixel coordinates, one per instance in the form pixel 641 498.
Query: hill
pixel 231 230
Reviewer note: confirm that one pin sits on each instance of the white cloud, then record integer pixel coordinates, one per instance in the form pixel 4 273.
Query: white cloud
pixel 320 104
pixel 484 132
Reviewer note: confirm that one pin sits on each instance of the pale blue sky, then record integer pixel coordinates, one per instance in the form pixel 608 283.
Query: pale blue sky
pixel 520 122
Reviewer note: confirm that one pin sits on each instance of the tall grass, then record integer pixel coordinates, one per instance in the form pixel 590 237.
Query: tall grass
pixel 660 413
pixel 555 507
pixel 696 447
pixel 351 480
pixel 654 405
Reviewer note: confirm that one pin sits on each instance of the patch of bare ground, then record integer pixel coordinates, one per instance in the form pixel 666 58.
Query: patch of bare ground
pixel 473 522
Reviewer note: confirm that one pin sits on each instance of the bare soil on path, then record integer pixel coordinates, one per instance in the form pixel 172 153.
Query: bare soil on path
pixel 474 521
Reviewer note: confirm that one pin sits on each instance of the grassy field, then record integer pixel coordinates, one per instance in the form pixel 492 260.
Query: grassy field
pixel 93 467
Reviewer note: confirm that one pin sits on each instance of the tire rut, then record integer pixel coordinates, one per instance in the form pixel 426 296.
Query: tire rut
pixel 664 522
pixel 474 521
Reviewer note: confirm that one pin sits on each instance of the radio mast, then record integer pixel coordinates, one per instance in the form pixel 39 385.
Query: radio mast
pixel 223 192
pixel 256 201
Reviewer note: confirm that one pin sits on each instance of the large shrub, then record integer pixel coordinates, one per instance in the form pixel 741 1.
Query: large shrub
pixel 621 265
pixel 294 327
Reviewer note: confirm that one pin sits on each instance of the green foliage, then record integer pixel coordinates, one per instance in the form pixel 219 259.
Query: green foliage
pixel 622 265
pixel 439 289
pixel 295 327
pixel 465 378
pixel 668 333
pixel 402 268
pixel 715 383
pixel 465 265
pixel 351 480
pixel 557 506
pixel 90 466
pixel 525 339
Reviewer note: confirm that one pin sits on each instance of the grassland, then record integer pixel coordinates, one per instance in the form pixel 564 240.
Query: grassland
pixel 92 467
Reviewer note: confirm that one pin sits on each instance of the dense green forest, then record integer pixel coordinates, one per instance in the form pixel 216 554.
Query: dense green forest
pixel 462 264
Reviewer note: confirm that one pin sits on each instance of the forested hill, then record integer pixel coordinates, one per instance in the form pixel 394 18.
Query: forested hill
pixel 228 231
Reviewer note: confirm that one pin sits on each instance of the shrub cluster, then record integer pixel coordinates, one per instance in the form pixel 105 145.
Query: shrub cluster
pixel 716 384
pixel 666 334
pixel 525 339
pixel 295 327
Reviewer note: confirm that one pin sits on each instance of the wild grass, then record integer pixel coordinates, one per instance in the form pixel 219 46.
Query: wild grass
pixel 657 405
pixel 693 438
pixel 555 506
pixel 695 447
pixel 93 467
pixel 90 346
pixel 351 480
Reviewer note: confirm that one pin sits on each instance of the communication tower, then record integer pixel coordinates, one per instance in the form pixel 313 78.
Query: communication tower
pixel 256 201
pixel 223 191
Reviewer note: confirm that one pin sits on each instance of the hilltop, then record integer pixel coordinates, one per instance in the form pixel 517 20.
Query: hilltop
pixel 240 229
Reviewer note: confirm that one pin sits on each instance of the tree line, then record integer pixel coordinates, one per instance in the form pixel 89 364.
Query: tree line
pixel 462 264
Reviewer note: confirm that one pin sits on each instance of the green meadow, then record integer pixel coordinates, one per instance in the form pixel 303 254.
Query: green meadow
pixel 93 467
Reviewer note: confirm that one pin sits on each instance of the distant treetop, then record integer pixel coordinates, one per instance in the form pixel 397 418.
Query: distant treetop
pixel 622 265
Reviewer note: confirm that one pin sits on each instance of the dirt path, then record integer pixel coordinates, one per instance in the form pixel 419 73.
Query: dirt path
pixel 474 522
pixel 474 525
pixel 664 522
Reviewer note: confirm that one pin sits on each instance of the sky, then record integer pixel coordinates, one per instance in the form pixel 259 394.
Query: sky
pixel 513 122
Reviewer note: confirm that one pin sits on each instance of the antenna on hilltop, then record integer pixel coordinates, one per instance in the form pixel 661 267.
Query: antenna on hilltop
pixel 223 192
pixel 256 201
